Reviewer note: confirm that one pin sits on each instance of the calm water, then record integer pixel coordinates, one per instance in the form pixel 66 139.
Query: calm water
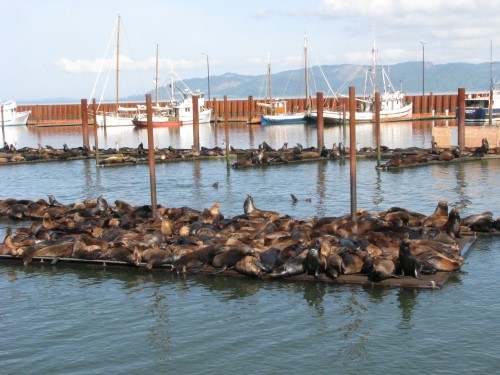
pixel 61 320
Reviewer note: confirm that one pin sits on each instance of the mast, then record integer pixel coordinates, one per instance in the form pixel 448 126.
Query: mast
pixel 269 77
pixel 305 72
pixel 117 59
pixel 156 78
pixel 374 67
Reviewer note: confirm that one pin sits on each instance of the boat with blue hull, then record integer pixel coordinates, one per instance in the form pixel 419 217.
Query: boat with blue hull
pixel 477 107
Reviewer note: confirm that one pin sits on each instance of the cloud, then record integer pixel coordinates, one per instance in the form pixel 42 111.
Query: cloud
pixel 126 63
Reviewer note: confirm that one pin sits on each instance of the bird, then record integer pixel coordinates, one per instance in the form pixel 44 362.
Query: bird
pixel 294 198
pixel 215 185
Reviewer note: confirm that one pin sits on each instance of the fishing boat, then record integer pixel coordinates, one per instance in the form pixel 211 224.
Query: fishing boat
pixel 277 111
pixel 10 116
pixel 477 107
pixel 392 102
pixel 161 117
pixel 121 116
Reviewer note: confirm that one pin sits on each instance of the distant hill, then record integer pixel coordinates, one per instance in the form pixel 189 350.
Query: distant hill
pixel 439 79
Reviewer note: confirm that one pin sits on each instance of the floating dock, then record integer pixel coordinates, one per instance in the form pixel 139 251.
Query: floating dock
pixel 433 281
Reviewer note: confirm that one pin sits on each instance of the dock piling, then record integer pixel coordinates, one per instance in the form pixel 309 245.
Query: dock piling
pixel 377 126
pixel 96 137
pixel 461 118
pixel 320 127
pixel 85 124
pixel 352 153
pixel 151 156
pixel 196 124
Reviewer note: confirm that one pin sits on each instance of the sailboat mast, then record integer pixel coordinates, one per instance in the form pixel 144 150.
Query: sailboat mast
pixel 156 78
pixel 374 67
pixel 269 76
pixel 306 78
pixel 117 60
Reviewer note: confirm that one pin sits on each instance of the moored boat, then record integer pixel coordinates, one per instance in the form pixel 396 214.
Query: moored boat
pixel 477 107
pixel 392 102
pixel 10 116
pixel 162 117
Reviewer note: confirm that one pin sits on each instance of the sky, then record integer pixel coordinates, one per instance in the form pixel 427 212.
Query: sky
pixel 57 49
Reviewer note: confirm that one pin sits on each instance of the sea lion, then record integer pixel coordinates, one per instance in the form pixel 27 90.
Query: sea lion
pixel 452 226
pixel 483 149
pixel 59 250
pixel 352 261
pixel 295 266
pixel 382 268
pixel 480 223
pixel 334 266
pixel 315 263
pixel 407 261
pixel 250 266
pixel 199 258
pixel 230 257
pixel 439 216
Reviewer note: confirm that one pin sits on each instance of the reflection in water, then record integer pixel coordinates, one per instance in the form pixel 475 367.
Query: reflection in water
pixel 159 333
pixel 313 294
pixel 378 194
pixel 461 188
pixel 321 188
pixel 197 178
pixel 353 338
pixel 407 299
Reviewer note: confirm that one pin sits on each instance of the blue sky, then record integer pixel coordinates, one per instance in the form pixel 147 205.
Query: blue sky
pixel 54 48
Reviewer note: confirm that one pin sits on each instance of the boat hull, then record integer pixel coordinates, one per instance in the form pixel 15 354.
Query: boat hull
pixel 17 119
pixel 204 116
pixel 157 124
pixel 337 117
pixel 114 120
pixel 283 119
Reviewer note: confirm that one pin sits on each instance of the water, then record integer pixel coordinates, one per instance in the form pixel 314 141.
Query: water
pixel 86 320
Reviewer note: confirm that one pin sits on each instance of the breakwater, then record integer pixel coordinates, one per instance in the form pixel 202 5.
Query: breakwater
pixel 244 110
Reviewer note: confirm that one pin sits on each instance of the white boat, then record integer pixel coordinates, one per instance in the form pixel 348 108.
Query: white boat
pixel 477 107
pixel 278 113
pixel 392 102
pixel 10 116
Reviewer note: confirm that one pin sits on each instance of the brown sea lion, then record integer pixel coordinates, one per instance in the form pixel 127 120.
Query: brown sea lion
pixel 382 268
pixel 439 216
pixel 60 250
pixel 334 266
pixel 250 266
pixel 231 256
pixel 352 261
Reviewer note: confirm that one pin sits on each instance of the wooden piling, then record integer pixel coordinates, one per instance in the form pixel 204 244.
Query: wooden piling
pixel 85 124
pixel 96 138
pixel 226 127
pixel 320 126
pixel 196 124
pixel 352 151
pixel 461 118
pixel 490 110
pixel 377 126
pixel 250 109
pixel 151 156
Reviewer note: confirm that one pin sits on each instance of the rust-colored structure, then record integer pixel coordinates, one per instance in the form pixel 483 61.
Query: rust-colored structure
pixel 244 110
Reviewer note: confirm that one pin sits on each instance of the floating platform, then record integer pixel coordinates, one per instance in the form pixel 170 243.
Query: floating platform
pixel 434 281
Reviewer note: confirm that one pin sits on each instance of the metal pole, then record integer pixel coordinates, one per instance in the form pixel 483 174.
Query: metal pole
pixel 320 129
pixel 208 74
pixel 226 127
pixel 377 125
pixel 151 156
pixel 96 138
pixel 461 118
pixel 196 124
pixel 423 68
pixel 352 152
pixel 85 124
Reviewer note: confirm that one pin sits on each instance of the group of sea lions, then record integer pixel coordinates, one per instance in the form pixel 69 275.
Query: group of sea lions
pixel 266 155
pixel 30 154
pixel 419 156
pixel 257 243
